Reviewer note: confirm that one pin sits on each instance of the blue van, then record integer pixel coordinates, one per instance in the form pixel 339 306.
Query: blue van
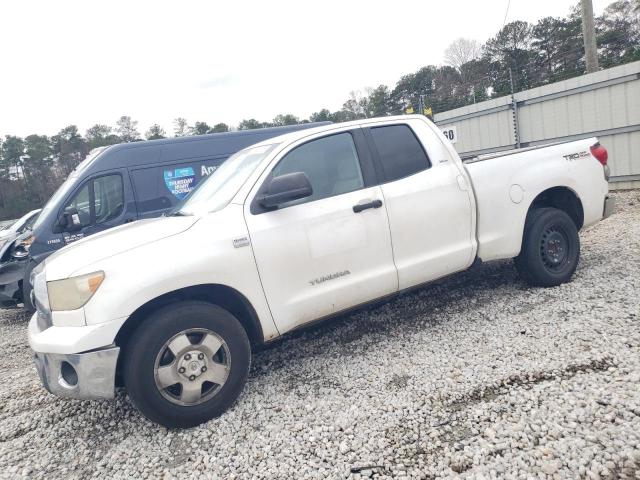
pixel 120 184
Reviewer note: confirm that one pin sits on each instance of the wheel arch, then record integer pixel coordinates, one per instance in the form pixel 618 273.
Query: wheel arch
pixel 221 295
pixel 563 198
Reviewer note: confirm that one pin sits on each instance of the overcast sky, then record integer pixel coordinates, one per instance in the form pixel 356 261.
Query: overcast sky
pixel 86 62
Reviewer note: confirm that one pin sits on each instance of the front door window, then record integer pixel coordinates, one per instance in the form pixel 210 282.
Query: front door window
pixel 99 201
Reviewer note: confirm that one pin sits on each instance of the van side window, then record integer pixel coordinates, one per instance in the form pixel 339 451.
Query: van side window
pixel 108 198
pixel 160 188
pixel 331 164
pixel 400 152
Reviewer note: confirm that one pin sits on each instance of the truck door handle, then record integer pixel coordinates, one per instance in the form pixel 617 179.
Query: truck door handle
pixel 363 206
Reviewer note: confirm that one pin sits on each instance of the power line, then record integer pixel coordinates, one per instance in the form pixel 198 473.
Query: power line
pixel 504 22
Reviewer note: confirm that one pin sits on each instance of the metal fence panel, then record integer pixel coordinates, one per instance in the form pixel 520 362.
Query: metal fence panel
pixel 605 104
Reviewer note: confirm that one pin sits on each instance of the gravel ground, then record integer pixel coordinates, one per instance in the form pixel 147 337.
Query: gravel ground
pixel 476 375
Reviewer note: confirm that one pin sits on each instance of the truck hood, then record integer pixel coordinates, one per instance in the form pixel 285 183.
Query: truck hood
pixel 66 261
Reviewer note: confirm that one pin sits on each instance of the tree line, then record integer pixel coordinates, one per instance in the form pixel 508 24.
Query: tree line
pixel 521 55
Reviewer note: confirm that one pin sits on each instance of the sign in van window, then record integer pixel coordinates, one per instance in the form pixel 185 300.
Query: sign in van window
pixel 180 181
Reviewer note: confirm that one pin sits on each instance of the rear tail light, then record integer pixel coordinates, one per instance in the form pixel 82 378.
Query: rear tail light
pixel 600 153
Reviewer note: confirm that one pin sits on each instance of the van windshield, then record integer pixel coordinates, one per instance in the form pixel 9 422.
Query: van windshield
pixel 59 195
pixel 221 186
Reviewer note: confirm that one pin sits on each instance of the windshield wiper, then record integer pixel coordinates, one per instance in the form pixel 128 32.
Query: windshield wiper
pixel 179 213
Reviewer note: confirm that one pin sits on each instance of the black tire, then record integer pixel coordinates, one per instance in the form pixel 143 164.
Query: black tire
pixel 550 248
pixel 144 349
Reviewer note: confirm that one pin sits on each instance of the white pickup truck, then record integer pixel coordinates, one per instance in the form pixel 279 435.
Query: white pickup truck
pixel 289 231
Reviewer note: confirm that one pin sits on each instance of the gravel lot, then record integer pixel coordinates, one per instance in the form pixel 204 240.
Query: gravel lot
pixel 477 376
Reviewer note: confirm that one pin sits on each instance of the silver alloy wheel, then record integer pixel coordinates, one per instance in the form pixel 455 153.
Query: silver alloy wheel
pixel 192 366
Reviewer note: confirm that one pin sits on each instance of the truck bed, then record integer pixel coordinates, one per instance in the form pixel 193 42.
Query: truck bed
pixel 513 151
pixel 507 183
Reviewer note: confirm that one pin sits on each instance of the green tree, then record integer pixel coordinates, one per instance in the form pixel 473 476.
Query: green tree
pixel 127 130
pixel 37 168
pixel 323 115
pixel 511 49
pixel 219 128
pixel 200 128
pixel 155 132
pixel 408 89
pixel 69 149
pixel 100 136
pixel 557 43
pixel 12 156
pixel 449 90
pixel 12 194
pixel 619 33
pixel 250 124
pixel 286 119
pixel 356 106
pixel 379 101
pixel 180 127
pixel 476 80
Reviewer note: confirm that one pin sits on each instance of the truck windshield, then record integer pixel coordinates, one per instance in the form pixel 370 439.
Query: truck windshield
pixel 222 185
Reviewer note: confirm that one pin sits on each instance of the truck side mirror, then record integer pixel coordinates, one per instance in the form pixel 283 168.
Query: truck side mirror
pixel 286 188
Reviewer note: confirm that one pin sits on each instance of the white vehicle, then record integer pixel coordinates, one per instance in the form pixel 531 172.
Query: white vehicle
pixel 291 230
pixel 18 226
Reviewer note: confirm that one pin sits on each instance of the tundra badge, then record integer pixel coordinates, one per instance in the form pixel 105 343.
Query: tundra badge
pixel 240 242
pixel 331 276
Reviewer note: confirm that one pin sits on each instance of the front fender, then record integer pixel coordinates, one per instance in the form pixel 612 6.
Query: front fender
pixel 135 277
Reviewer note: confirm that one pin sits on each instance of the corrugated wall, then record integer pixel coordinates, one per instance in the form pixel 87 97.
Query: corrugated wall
pixel 604 104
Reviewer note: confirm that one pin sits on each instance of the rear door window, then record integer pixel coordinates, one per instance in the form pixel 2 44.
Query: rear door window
pixel 400 154
pixel 160 188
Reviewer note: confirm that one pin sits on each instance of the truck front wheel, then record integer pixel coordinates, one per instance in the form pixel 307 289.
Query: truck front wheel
pixel 550 248
pixel 186 363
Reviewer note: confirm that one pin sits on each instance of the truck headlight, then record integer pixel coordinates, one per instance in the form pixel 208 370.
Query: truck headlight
pixel 73 293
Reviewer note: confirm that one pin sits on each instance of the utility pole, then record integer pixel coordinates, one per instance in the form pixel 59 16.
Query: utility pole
pixel 421 104
pixel 589 35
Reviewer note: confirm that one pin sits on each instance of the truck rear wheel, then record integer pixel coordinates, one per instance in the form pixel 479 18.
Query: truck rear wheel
pixel 550 248
pixel 186 363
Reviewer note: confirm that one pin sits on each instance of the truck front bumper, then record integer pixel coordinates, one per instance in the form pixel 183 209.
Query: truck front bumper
pixel 609 207
pixel 75 362
pixel 89 375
